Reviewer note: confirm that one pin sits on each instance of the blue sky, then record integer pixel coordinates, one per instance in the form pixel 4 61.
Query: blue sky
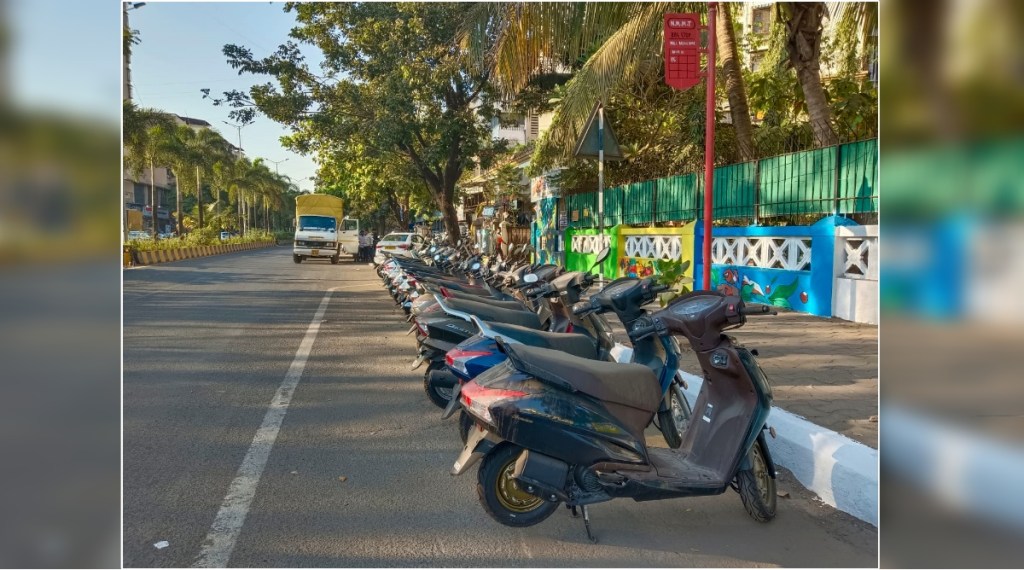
pixel 180 53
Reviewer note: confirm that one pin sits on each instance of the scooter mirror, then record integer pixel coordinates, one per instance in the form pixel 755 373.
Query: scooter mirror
pixel 530 278
pixel 602 255
pixel 475 266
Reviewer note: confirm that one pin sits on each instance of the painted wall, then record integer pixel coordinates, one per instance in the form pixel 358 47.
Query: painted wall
pixel 581 251
pixel 639 248
pixel 790 267
pixel 855 297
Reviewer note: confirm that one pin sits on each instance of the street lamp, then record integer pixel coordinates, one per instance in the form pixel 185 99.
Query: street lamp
pixel 239 127
pixel 277 162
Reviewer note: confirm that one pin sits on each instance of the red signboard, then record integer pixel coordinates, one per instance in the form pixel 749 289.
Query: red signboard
pixel 682 50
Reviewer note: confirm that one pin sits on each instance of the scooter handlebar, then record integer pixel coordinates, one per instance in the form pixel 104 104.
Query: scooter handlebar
pixel 757 309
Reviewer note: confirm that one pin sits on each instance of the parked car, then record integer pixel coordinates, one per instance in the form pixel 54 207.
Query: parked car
pixel 398 244
pixel 138 234
pixel 227 235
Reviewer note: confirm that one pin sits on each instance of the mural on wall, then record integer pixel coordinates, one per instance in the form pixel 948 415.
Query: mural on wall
pixel 759 288
pixel 637 267
pixel 547 230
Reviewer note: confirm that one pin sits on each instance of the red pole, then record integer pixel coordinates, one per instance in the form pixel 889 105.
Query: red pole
pixel 709 144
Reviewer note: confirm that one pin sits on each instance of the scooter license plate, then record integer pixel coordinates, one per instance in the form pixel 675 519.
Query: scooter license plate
pixel 316 252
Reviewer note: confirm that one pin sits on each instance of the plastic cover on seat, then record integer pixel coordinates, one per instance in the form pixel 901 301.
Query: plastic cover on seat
pixel 576 344
pixel 632 385
pixel 490 313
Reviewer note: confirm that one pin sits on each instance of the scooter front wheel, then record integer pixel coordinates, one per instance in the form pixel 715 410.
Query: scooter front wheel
pixel 501 495
pixel 757 487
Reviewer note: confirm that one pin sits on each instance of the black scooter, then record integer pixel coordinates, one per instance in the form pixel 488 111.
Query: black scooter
pixel 553 428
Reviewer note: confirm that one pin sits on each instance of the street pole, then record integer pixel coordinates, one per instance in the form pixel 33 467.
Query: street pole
pixel 600 183
pixel 242 210
pixel 709 145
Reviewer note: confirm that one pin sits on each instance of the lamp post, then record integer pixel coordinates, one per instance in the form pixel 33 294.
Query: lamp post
pixel 276 163
pixel 241 202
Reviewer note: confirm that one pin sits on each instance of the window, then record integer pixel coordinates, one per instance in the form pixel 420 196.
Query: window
pixel 755 60
pixel 761 19
pixel 349 225
pixel 396 237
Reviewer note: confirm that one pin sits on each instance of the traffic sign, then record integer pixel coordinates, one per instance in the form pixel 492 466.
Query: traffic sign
pixel 682 50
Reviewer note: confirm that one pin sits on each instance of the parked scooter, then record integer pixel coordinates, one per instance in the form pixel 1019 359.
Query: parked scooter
pixel 480 352
pixel 551 428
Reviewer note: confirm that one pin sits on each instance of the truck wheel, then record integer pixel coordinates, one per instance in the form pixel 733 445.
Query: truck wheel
pixel 334 260
pixel 297 258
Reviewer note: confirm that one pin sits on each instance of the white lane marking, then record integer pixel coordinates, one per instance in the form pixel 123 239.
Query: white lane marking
pixel 223 535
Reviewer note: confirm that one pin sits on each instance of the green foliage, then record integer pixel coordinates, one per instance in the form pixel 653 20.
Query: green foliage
pixel 394 96
pixel 206 236
pixel 672 273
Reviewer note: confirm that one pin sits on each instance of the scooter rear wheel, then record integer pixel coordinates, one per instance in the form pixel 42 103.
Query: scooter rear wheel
pixel 439 396
pixel 500 494
pixel 757 487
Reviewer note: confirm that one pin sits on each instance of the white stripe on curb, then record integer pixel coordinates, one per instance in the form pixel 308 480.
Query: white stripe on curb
pixel 223 535
pixel 841 471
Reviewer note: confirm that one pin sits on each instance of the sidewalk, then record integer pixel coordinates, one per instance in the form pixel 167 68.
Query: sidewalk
pixel 825 370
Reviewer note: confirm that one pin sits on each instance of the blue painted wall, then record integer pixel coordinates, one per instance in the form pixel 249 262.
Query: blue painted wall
pixel 804 291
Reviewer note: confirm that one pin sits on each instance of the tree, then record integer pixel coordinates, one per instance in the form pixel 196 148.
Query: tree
pixel 734 85
pixel 608 44
pixel 803 25
pixel 141 129
pixel 203 148
pixel 394 85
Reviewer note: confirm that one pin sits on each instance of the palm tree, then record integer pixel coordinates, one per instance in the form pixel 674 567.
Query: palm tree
pixel 204 148
pixel 171 151
pixel 734 87
pixel 518 41
pixel 803 24
pixel 141 139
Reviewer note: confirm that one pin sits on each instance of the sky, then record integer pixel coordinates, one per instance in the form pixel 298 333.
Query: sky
pixel 180 53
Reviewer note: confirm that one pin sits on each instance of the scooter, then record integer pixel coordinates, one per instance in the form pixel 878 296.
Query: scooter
pixel 552 428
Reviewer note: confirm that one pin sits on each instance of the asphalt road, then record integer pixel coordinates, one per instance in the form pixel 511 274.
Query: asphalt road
pixel 208 343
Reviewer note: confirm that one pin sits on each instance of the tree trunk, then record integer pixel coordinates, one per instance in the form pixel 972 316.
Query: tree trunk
pixel 803 44
pixel 734 87
pixel 152 197
pixel 451 217
pixel 177 207
pixel 199 197
pixel 818 111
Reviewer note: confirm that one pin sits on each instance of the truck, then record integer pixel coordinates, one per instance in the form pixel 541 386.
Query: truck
pixel 322 230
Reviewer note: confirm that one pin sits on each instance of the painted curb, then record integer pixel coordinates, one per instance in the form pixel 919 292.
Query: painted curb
pixel 842 472
pixel 164 255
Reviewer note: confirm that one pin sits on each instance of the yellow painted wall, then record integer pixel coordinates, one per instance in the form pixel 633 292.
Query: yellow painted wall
pixel 686 238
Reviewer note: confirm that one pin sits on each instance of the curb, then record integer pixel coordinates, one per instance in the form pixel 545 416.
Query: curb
pixel 166 255
pixel 842 472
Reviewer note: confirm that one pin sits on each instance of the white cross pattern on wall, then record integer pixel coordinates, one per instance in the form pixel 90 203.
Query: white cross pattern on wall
pixel 585 244
pixel 791 253
pixel 654 247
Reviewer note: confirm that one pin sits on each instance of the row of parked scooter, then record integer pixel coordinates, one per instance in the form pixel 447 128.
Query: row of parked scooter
pixel 554 408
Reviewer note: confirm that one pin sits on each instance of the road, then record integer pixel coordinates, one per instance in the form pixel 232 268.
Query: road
pixel 209 342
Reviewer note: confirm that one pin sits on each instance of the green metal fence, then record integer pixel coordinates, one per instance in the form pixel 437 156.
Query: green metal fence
pixel 841 179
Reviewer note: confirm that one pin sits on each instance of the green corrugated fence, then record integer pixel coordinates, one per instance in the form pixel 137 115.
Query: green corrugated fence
pixel 841 179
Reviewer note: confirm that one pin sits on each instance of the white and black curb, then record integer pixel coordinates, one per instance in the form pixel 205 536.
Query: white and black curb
pixel 842 472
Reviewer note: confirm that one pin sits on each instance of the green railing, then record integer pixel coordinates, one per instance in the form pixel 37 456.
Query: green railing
pixel 840 179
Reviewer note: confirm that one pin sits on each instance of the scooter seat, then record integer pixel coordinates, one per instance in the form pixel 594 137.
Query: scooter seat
pixel 513 305
pixel 486 312
pixel 631 385
pixel 575 344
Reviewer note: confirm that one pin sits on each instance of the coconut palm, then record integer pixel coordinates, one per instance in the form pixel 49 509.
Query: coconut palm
pixel 803 23
pixel 203 148
pixel 142 128
pixel 518 41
